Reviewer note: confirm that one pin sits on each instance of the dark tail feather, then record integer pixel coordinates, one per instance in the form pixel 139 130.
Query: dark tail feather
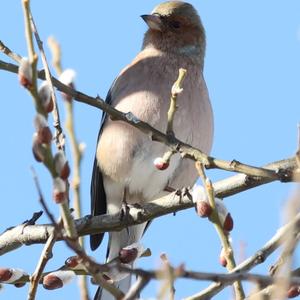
pixel 98 202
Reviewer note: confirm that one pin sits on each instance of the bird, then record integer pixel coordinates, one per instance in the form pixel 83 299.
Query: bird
pixel 123 168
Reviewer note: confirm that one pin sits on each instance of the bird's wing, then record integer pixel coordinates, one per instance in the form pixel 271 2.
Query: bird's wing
pixel 98 196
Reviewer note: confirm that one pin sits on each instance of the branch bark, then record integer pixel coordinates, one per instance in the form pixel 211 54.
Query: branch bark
pixel 18 236
pixel 175 145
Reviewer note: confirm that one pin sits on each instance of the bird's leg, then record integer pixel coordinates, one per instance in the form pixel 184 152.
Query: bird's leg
pixel 169 189
pixel 124 208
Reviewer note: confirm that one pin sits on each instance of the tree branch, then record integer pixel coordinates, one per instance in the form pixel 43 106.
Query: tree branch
pixel 156 135
pixel 18 236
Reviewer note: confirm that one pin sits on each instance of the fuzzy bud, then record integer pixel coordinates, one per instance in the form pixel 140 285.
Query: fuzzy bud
pixel 204 209
pixel 293 291
pixel 160 163
pixel 228 223
pixel 61 165
pixel 81 147
pixel 44 135
pixel 130 253
pixel 25 73
pixel 59 190
pixel 19 284
pixel 224 216
pixel 5 274
pixel 58 279
pixel 37 149
pixel 222 258
pixel 67 77
pixel 44 93
pixel 198 194
pixel 10 275
pixel 72 262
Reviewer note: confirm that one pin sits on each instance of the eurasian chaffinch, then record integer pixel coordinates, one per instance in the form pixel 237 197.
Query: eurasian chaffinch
pixel 123 167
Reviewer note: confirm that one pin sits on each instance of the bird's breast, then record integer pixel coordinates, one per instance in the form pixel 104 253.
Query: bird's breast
pixel 144 89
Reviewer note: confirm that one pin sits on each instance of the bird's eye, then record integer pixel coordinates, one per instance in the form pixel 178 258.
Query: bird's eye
pixel 175 24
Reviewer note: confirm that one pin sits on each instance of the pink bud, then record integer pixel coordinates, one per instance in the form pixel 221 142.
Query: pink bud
pixel 222 258
pixel 52 282
pixel 5 274
pixel 228 223
pixel 160 164
pixel 72 262
pixel 59 190
pixel 128 255
pixel 11 275
pixel 67 77
pixel 203 208
pixel 44 93
pixel 25 73
pixel 293 291
pixel 56 280
pixel 61 165
pixel 37 149
pixel 131 252
pixel 44 135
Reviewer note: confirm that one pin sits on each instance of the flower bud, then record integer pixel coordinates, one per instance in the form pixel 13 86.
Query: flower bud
pixel 222 258
pixel 44 93
pixel 59 190
pixel 61 165
pixel 228 223
pixel 72 262
pixel 204 209
pixel 37 149
pixel 10 275
pixel 67 77
pixel 224 216
pixel 5 274
pixel 43 131
pixel 130 253
pixel 293 291
pixel 198 194
pixel 19 284
pixel 58 279
pixel 161 164
pixel 25 73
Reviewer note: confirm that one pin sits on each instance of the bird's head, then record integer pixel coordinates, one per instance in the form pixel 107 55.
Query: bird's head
pixel 175 26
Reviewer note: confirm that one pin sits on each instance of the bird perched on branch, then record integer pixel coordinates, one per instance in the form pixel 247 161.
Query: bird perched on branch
pixel 123 167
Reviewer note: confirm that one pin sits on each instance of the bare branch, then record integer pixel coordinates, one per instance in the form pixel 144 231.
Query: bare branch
pixel 174 144
pixel 16 237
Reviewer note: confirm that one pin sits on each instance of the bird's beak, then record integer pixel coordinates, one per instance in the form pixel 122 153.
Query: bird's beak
pixel 153 21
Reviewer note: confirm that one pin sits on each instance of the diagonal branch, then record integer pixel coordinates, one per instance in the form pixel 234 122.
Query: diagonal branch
pixel 18 236
pixel 175 145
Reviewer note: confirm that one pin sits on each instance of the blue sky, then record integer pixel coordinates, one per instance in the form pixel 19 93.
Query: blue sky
pixel 252 70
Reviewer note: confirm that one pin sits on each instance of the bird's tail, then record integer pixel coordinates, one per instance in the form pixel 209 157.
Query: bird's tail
pixel 117 241
pixel 123 285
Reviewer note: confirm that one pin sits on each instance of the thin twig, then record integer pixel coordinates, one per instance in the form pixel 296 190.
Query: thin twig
pixel 11 239
pixel 224 238
pixel 44 258
pixel 136 288
pixel 56 54
pixel 259 257
pixel 33 58
pixel 92 267
pixel 16 57
pixel 59 137
pixel 175 144
pixel 76 156
pixel 176 90
pixel 42 201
